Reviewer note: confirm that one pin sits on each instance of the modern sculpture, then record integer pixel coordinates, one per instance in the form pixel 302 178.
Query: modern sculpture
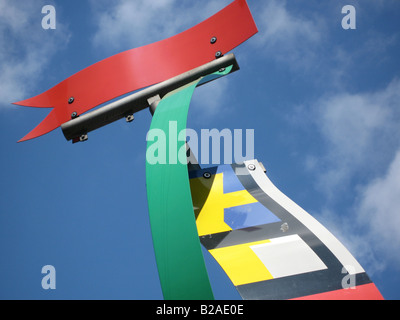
pixel 268 246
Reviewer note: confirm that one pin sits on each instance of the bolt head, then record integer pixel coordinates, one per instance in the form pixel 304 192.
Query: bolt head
pixel 74 115
pixel 129 118
pixel 284 227
pixel 251 167
pixel 213 40
pixel 70 100
pixel 218 54
pixel 207 175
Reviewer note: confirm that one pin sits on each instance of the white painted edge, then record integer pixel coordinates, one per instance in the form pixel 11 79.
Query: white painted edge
pixel 332 243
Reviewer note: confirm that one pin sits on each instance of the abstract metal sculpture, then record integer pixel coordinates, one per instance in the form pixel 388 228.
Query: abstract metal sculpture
pixel 268 246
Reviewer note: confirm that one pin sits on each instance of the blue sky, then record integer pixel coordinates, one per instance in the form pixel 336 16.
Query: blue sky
pixel 323 101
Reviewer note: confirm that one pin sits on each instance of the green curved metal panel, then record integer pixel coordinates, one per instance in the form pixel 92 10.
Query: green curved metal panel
pixel 179 257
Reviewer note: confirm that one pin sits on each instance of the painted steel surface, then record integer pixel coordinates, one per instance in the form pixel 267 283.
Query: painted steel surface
pixel 144 66
pixel 142 99
pixel 179 257
pixel 268 246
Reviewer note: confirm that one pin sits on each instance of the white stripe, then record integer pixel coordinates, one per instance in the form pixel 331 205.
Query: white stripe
pixel 287 256
pixel 332 243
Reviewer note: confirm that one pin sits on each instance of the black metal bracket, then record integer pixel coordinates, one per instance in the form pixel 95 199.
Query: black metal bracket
pixel 79 127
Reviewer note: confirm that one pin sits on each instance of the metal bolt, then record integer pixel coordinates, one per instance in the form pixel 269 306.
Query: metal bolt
pixel 207 175
pixel 74 115
pixel 221 70
pixel 213 40
pixel 70 100
pixel 284 227
pixel 129 118
pixel 251 167
pixel 218 54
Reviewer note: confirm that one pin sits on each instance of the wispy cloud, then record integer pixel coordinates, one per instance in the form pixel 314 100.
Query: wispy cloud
pixel 360 132
pixel 278 26
pixel 370 228
pixel 25 48
pixel 355 159
pixel 354 236
pixel 311 42
pixel 361 155
pixel 210 101
pixel 126 24
pixel 286 36
pixel 378 211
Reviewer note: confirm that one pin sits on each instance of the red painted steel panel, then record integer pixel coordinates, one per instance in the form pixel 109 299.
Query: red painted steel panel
pixel 364 292
pixel 140 67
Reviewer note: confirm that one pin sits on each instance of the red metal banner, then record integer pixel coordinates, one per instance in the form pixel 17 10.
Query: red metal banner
pixel 140 67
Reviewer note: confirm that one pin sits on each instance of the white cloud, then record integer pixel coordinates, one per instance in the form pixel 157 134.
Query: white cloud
pixel 360 132
pixel 360 161
pixel 370 229
pixel 378 210
pixel 306 40
pixel 279 26
pixel 347 229
pixel 209 101
pixel 25 48
pixel 285 36
pixel 127 24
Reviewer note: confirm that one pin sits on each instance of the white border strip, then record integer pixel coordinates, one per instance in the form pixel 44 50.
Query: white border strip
pixel 332 243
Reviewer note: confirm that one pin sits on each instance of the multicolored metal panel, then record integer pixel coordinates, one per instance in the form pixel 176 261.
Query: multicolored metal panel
pixel 268 246
pixel 228 205
pixel 144 66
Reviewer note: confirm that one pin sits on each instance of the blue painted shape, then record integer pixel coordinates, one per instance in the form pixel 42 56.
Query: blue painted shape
pixel 248 215
pixel 231 181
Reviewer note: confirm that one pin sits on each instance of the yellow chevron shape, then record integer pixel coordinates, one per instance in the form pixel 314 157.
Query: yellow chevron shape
pixel 241 264
pixel 209 202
